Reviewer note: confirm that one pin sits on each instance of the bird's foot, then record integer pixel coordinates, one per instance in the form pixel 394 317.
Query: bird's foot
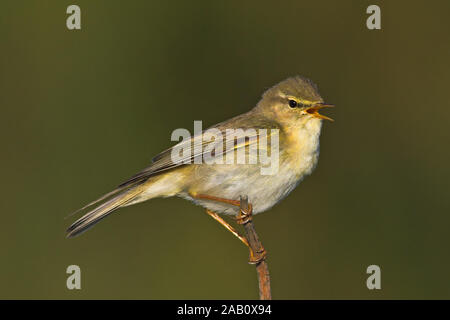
pixel 258 256
pixel 244 216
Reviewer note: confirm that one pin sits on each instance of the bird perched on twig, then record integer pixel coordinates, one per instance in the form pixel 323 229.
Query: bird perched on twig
pixel 287 115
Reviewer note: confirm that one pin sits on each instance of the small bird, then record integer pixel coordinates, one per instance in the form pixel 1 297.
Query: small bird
pixel 288 111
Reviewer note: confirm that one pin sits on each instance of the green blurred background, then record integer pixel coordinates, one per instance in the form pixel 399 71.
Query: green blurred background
pixel 83 110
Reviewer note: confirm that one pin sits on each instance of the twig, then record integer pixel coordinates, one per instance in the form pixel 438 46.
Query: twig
pixel 259 253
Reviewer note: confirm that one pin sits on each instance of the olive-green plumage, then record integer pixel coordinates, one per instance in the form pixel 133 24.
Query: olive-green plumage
pixel 290 107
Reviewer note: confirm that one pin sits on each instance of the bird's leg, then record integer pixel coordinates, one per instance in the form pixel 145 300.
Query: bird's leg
pixel 213 198
pixel 230 228
pixel 257 251
pixel 242 218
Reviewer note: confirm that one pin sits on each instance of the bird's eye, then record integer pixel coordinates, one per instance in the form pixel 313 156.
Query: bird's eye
pixel 292 103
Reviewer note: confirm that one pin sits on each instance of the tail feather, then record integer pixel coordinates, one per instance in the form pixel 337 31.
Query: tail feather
pixel 109 194
pixel 102 211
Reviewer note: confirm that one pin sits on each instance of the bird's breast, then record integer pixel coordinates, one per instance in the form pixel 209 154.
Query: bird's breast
pixel 302 148
pixel 298 155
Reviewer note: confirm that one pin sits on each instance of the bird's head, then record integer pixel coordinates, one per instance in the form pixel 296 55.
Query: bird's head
pixel 293 100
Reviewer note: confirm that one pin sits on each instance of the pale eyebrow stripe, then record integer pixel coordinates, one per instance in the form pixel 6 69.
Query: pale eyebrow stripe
pixel 307 102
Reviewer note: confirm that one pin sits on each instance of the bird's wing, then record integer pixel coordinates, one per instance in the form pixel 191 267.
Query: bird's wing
pixel 240 138
pixel 164 161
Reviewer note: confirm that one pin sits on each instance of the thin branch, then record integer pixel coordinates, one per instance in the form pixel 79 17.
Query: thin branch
pixel 259 254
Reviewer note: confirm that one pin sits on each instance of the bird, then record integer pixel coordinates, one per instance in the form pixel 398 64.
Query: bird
pixel 286 118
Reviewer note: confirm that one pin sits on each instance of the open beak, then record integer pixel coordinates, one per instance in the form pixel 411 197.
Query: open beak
pixel 314 110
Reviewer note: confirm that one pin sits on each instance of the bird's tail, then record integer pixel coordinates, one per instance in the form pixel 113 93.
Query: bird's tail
pixel 103 210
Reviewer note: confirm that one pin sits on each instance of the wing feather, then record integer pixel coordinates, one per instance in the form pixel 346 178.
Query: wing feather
pixel 164 160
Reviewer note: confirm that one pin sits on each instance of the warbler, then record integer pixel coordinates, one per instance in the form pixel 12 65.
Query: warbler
pixel 288 111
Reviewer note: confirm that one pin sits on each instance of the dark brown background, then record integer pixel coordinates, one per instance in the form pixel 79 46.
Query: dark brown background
pixel 83 110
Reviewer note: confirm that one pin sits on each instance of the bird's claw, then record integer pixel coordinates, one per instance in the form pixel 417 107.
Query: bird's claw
pixel 244 217
pixel 258 256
